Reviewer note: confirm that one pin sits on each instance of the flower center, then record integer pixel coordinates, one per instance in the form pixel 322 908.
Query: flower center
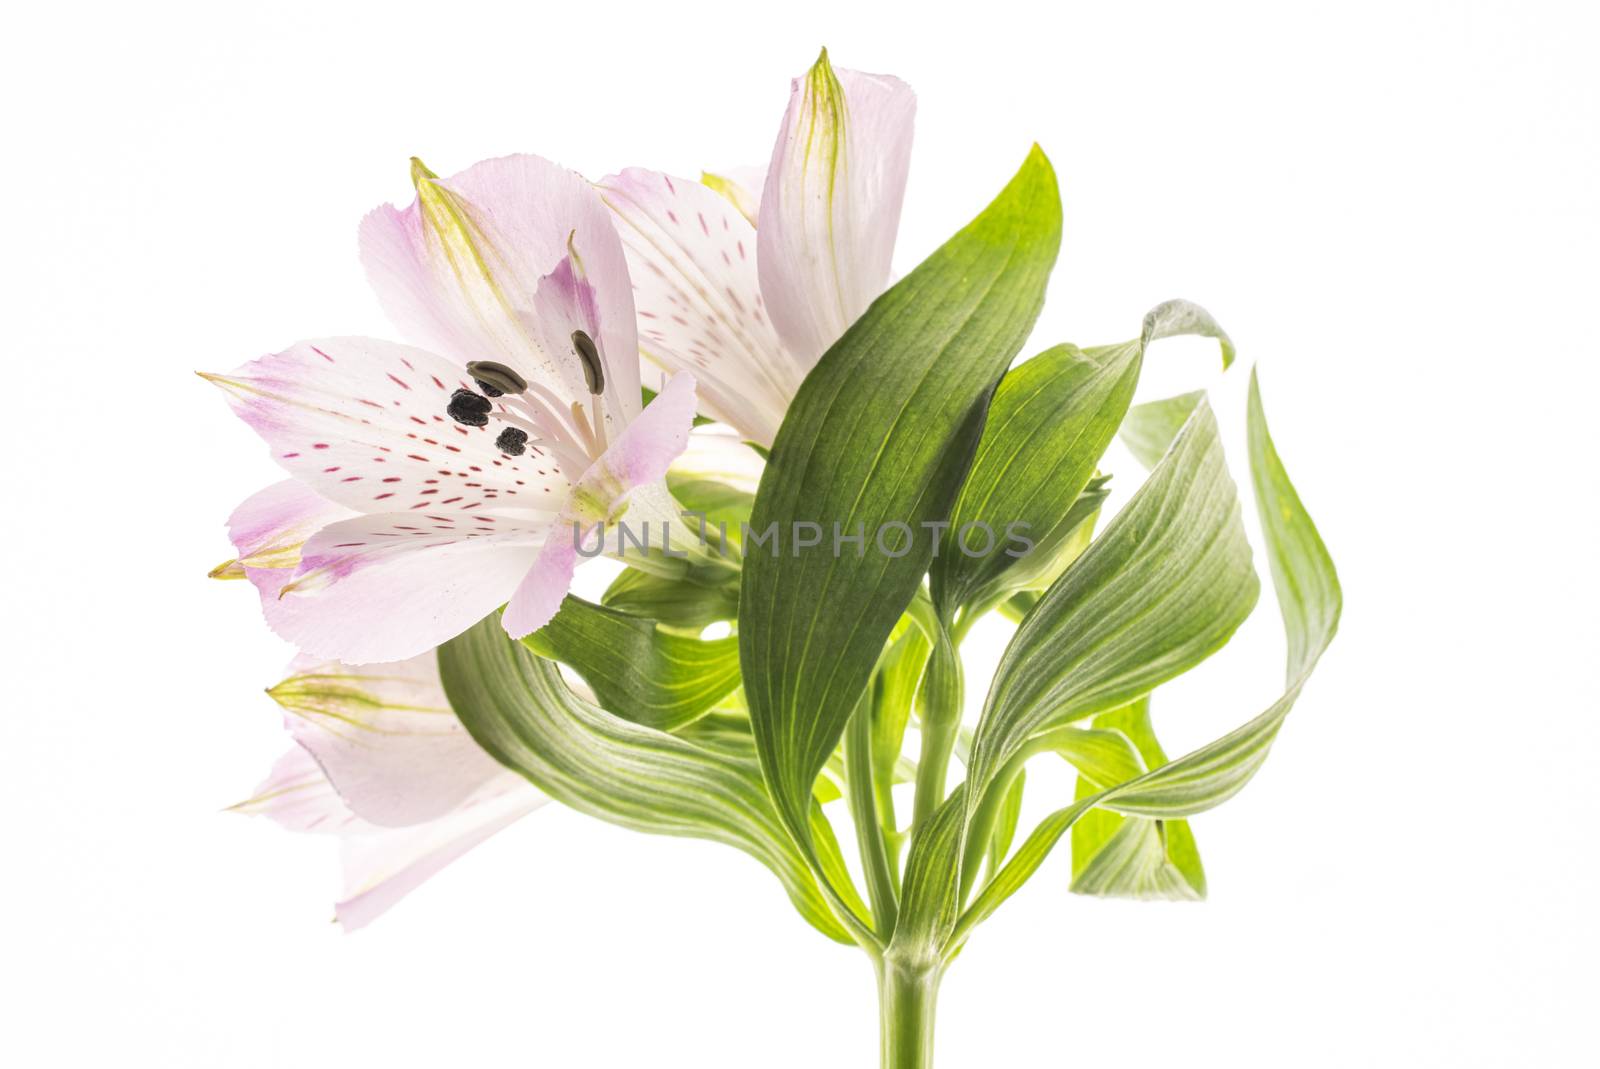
pixel 533 414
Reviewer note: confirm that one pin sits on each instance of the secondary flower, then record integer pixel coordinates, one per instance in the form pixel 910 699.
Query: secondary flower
pixel 466 465
pixel 381 761
pixel 748 292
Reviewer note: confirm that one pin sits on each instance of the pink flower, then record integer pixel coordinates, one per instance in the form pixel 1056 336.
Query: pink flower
pixel 382 762
pixel 455 476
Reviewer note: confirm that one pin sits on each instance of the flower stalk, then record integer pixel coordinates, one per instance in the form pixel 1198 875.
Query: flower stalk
pixel 907 997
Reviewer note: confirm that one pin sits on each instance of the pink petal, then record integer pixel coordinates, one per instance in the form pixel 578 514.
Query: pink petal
pixel 297 795
pixel 539 594
pixel 390 586
pixel 567 301
pixel 362 422
pixel 269 527
pixel 269 530
pixel 386 737
pixel 383 865
pixel 693 260
pixel 521 212
pixel 831 206
pixel 381 869
pixel 741 186
pixel 649 445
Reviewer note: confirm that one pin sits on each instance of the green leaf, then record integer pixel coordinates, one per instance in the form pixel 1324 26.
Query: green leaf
pixel 1133 863
pixel 1310 601
pixel 1149 428
pixel 1101 754
pixel 678 603
pixel 637 671
pixel 1166 861
pixel 882 430
pixel 1005 829
pixel 930 901
pixel 1050 422
pixel 724 507
pixel 516 706
pixel 1163 587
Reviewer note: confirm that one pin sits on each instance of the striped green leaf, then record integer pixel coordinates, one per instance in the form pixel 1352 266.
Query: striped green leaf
pixel 881 431
pixel 1050 422
pixel 517 707
pixel 636 670
pixel 1310 601
pixel 679 603
pixel 1163 587
pixel 1133 857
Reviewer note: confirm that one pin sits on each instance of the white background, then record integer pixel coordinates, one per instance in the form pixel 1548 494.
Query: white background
pixel 1393 209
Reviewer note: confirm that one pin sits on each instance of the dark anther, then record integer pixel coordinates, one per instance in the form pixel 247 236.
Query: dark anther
pixel 512 441
pixel 494 378
pixel 593 374
pixel 468 408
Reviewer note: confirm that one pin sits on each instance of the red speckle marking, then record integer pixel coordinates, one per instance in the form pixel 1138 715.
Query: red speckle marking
pixel 319 445
pixel 380 497
pixel 322 354
pixel 399 382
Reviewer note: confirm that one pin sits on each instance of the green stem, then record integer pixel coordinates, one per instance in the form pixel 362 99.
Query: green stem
pixel 906 999
pixel 881 885
pixel 941 724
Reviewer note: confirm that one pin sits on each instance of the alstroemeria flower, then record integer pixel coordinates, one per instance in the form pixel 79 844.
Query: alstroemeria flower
pixel 382 762
pixel 466 465
pixel 748 293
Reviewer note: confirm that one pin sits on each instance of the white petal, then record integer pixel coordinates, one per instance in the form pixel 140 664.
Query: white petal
pixel 383 865
pixel 297 795
pixel 386 737
pixel 692 257
pixel 831 207
pixel 458 270
pixel 718 454
pixel 741 185
pixel 390 586
pixel 363 423
pixel 381 869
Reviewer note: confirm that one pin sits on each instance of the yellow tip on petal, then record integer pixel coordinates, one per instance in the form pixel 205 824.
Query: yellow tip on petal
pixel 420 172
pixel 228 569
